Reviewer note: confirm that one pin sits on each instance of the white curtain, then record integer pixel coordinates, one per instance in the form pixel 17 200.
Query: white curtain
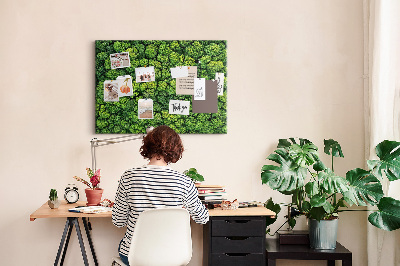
pixel 383 109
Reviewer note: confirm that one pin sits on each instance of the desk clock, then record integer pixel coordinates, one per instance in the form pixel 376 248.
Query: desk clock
pixel 71 194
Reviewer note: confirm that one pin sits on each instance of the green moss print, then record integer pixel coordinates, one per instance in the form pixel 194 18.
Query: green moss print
pixel 121 117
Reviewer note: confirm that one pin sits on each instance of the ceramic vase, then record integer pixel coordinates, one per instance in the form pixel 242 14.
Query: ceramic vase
pixel 93 196
pixel 323 234
pixel 53 204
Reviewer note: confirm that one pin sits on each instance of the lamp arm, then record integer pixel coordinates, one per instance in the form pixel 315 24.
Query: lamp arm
pixel 103 142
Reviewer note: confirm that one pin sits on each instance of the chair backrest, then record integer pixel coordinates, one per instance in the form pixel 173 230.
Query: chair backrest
pixel 161 237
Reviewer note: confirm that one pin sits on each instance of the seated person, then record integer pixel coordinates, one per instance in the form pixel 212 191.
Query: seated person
pixel 155 185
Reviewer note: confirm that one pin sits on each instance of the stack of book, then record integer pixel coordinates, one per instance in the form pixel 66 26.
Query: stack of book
pixel 211 194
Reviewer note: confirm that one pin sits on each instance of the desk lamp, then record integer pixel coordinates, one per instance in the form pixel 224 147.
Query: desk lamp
pixel 94 143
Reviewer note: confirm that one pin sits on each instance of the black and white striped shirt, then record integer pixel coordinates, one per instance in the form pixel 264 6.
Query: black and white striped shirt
pixel 151 187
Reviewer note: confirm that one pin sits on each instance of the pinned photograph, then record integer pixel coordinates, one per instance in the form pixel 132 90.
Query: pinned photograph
pixel 111 91
pixel 219 77
pixel 125 86
pixel 185 86
pixel 145 109
pixel 145 74
pixel 120 60
pixel 177 107
pixel 179 72
pixel 199 89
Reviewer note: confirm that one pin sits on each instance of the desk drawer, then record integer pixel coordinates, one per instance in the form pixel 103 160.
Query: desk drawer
pixel 237 245
pixel 237 259
pixel 238 227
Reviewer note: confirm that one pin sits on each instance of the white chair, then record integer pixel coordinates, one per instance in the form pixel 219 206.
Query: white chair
pixel 162 237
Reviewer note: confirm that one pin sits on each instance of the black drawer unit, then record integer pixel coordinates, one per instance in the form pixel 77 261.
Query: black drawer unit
pixel 234 241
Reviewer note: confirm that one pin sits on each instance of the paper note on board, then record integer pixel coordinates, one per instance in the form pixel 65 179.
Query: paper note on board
pixel 111 91
pixel 185 86
pixel 219 77
pixel 125 86
pixel 199 89
pixel 120 60
pixel 145 74
pixel 210 104
pixel 177 107
pixel 179 72
pixel 145 109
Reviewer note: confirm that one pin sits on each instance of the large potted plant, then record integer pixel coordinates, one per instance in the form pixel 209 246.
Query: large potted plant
pixel 320 194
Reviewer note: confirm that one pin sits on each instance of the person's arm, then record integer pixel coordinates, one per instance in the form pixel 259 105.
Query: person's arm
pixel 120 209
pixel 193 205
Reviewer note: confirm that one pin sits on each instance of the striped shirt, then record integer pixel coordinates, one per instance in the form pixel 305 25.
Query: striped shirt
pixel 151 187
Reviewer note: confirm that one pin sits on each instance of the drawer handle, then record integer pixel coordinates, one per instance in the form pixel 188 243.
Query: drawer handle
pixel 237 254
pixel 236 237
pixel 237 221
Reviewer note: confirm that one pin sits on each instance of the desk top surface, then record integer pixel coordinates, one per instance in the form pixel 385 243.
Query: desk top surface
pixel 62 212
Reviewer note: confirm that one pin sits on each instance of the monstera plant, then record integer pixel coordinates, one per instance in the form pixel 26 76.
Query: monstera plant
pixel 320 194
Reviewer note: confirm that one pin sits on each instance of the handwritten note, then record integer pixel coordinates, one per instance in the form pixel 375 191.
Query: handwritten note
pixel 185 86
pixel 219 77
pixel 179 72
pixel 199 89
pixel 177 107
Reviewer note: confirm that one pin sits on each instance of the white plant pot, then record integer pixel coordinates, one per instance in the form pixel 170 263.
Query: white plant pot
pixel 54 204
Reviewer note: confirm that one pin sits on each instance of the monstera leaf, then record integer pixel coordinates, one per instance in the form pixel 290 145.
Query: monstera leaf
pixel 331 183
pixel 364 188
pixel 333 146
pixel 276 208
pixel 286 177
pixel 388 153
pixel 388 216
pixel 304 155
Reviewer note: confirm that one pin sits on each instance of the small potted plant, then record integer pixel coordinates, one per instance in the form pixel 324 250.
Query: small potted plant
pixel 194 175
pixel 93 193
pixel 320 194
pixel 53 201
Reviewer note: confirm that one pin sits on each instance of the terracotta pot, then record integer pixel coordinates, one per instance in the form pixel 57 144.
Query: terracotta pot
pixel 93 196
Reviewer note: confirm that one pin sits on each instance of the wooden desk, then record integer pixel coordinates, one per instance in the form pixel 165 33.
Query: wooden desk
pixel 304 252
pixel 235 237
pixel 72 219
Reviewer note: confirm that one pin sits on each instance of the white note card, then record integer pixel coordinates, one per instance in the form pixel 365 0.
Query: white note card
pixel 179 72
pixel 177 107
pixel 199 89
pixel 219 77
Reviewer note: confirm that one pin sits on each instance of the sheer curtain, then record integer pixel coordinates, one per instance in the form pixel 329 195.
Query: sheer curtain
pixel 383 108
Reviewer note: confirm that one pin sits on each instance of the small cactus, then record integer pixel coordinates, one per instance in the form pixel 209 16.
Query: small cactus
pixel 53 195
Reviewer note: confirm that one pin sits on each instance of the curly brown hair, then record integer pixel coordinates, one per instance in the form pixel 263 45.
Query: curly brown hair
pixel 164 142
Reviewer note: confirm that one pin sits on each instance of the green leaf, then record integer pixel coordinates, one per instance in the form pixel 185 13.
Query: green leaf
pixel 284 143
pixel 276 208
pixel 304 155
pixel 332 146
pixel 306 206
pixel 388 153
pixel 364 188
pixel 332 183
pixel 317 213
pixel 292 222
pixel 319 166
pixel 320 201
pixel 287 176
pixel 388 216
pixel 311 189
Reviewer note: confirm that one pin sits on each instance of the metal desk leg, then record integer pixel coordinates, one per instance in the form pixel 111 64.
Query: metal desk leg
pixel 66 243
pixel 78 232
pixel 67 226
pixel 90 241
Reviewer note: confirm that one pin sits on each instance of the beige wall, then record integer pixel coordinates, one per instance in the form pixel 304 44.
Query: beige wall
pixel 294 68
